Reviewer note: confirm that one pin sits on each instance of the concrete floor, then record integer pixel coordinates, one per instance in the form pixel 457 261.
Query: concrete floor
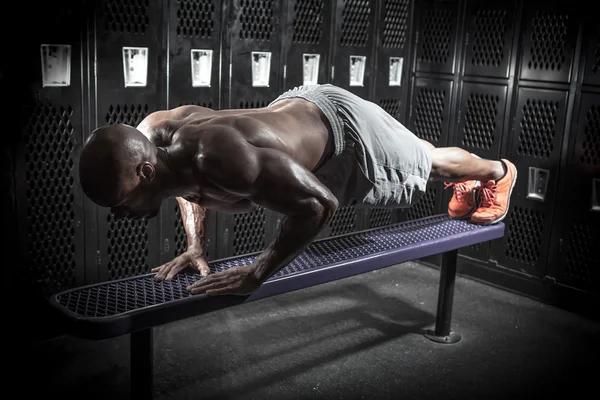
pixel 357 338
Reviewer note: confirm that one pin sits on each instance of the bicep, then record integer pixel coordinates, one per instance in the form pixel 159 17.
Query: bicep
pixel 287 187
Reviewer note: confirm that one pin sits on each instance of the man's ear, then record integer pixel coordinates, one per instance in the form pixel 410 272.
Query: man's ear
pixel 146 171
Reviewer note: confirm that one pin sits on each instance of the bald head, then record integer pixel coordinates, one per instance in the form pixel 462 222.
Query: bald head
pixel 110 161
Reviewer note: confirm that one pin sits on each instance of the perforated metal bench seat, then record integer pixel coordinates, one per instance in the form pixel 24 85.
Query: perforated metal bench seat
pixel 128 305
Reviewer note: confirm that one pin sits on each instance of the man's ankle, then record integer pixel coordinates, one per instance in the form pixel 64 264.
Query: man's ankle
pixel 501 173
pixel 497 172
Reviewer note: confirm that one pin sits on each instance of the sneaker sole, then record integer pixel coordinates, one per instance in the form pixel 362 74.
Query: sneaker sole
pixel 512 186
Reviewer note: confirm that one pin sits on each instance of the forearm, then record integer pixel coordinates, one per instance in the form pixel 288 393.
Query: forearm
pixel 194 221
pixel 295 234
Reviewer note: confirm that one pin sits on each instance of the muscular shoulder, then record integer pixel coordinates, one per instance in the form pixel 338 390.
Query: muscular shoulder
pixel 216 139
pixel 159 126
pixel 176 113
pixel 226 158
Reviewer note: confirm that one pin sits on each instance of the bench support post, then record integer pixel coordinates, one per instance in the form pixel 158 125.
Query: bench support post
pixel 442 332
pixel 141 363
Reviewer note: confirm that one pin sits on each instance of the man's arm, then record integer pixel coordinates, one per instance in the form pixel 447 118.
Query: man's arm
pixel 272 179
pixel 194 222
pixel 193 217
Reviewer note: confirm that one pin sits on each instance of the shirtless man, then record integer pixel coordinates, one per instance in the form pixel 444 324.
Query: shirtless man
pixel 312 150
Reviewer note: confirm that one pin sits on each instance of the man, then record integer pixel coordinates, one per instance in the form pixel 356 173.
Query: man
pixel 312 150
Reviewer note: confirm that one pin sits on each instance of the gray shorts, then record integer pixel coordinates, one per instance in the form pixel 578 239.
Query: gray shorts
pixel 377 161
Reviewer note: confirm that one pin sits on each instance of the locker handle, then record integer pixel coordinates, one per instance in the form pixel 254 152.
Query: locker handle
pixel 537 184
pixel 595 195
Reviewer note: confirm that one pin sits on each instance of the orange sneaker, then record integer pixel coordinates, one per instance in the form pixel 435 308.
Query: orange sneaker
pixel 495 197
pixel 464 201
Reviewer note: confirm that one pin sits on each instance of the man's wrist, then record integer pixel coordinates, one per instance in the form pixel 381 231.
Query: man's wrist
pixel 258 274
pixel 196 249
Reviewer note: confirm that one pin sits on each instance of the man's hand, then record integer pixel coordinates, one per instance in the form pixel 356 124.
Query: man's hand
pixel 191 258
pixel 235 280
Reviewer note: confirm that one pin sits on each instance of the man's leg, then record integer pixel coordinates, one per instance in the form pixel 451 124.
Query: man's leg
pixel 466 172
pixel 453 164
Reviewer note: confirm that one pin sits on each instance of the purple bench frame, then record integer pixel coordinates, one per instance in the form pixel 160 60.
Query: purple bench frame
pixel 136 304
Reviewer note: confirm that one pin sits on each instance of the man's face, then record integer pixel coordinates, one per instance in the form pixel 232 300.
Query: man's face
pixel 143 202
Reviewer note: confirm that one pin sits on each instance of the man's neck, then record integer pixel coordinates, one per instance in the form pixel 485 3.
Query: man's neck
pixel 176 178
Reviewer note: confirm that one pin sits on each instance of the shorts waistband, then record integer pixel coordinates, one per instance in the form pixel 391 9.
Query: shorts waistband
pixel 316 95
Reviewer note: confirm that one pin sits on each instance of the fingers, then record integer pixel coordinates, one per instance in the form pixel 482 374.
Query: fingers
pixel 168 270
pixel 237 280
pixel 202 266
pixel 202 285
pixel 211 282
pixel 217 292
pixel 174 271
pixel 162 271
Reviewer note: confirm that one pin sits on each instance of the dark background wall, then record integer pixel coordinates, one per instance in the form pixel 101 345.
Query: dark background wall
pixel 515 79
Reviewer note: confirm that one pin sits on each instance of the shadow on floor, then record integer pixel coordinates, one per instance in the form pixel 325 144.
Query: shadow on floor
pixel 327 335
pixel 355 338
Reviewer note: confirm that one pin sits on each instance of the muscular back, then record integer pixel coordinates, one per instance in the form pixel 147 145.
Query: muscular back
pixel 295 127
pixel 201 141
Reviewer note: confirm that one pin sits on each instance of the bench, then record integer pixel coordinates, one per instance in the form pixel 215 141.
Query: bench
pixel 136 304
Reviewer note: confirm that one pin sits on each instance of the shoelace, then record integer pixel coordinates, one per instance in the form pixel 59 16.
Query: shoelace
pixel 488 195
pixel 459 190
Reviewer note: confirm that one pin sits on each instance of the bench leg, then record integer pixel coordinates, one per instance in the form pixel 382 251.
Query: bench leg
pixel 141 361
pixel 442 332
